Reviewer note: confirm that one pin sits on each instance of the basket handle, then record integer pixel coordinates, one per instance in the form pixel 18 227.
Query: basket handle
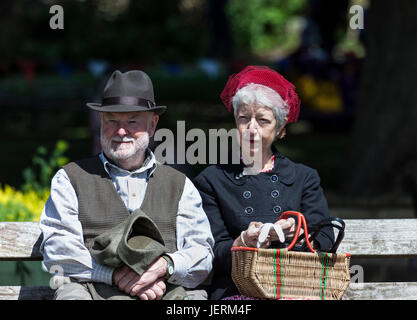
pixel 301 220
pixel 329 222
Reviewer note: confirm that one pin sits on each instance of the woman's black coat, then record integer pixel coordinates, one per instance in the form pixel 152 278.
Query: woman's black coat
pixel 231 201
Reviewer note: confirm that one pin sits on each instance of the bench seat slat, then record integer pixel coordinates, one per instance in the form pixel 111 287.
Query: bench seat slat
pixel 26 293
pixel 381 291
pixel 356 291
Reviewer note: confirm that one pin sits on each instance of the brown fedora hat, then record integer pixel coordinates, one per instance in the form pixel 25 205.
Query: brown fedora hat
pixel 128 92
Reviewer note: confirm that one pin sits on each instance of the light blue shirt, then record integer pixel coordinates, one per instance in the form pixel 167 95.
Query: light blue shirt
pixel 63 243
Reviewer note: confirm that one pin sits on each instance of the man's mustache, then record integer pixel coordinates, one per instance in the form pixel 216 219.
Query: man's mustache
pixel 124 139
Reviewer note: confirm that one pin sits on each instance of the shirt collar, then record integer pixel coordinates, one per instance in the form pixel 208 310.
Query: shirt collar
pixel 283 167
pixel 149 165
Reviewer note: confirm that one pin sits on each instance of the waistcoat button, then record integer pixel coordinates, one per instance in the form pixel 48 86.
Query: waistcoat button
pixel 274 178
pixel 274 193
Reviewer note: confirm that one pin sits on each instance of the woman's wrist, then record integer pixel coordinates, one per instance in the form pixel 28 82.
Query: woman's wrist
pixel 239 241
pixel 243 240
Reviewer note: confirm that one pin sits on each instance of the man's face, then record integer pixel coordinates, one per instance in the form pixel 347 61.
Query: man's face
pixel 125 135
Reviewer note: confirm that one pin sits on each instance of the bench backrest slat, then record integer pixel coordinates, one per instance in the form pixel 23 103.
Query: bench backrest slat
pixel 363 238
pixel 380 237
pixel 20 241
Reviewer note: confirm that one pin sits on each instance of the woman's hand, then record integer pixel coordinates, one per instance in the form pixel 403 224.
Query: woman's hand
pixel 249 237
pixel 288 226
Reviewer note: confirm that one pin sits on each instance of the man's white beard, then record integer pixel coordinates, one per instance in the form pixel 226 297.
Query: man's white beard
pixel 122 152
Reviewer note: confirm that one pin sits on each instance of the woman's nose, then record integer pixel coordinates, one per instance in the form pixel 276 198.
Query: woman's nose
pixel 252 125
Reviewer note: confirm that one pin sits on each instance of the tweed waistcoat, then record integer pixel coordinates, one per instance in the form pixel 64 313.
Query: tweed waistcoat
pixel 100 207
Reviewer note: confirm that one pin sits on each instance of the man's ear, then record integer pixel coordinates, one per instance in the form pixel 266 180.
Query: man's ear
pixel 154 122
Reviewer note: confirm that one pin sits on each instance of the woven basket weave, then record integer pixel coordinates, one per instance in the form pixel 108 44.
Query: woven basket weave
pixel 285 274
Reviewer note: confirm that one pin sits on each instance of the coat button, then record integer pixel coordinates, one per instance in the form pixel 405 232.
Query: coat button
pixel 274 178
pixel 276 209
pixel 247 194
pixel 274 193
pixel 248 210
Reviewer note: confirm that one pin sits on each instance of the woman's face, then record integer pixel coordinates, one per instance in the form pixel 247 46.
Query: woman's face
pixel 257 127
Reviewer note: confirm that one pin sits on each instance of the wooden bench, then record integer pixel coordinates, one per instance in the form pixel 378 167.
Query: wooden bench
pixel 364 238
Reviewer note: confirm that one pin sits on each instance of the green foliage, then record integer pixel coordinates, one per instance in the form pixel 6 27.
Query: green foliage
pixel 27 204
pixel 38 177
pixel 15 211
pixel 261 25
pixel 143 31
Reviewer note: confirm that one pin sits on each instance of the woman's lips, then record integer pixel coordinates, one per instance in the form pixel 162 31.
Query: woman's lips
pixel 252 140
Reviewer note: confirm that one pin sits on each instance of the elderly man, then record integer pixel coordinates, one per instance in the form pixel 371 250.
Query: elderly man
pixel 91 196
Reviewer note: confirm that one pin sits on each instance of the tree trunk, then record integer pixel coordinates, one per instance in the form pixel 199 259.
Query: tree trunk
pixel 383 154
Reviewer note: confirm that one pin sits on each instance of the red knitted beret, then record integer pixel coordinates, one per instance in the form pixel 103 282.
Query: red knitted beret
pixel 267 77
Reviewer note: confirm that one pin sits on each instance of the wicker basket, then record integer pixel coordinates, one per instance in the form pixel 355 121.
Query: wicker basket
pixel 285 274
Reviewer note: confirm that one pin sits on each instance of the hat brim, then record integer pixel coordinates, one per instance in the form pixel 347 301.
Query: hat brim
pixel 124 108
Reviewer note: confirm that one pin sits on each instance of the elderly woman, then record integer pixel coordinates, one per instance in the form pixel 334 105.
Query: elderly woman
pixel 238 198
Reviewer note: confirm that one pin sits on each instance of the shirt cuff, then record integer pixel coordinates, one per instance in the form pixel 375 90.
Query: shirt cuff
pixel 180 268
pixel 102 274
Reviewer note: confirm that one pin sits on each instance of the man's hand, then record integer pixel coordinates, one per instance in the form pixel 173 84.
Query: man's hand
pixel 153 292
pixel 149 286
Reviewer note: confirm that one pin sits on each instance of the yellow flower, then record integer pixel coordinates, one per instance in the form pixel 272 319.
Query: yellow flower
pixel 22 203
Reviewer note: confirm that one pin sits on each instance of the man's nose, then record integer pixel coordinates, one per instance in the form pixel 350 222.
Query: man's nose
pixel 122 131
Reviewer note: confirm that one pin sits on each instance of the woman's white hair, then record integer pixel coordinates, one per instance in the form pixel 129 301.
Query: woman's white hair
pixel 261 95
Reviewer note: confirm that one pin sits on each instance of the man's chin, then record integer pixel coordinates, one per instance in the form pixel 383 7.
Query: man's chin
pixel 121 156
